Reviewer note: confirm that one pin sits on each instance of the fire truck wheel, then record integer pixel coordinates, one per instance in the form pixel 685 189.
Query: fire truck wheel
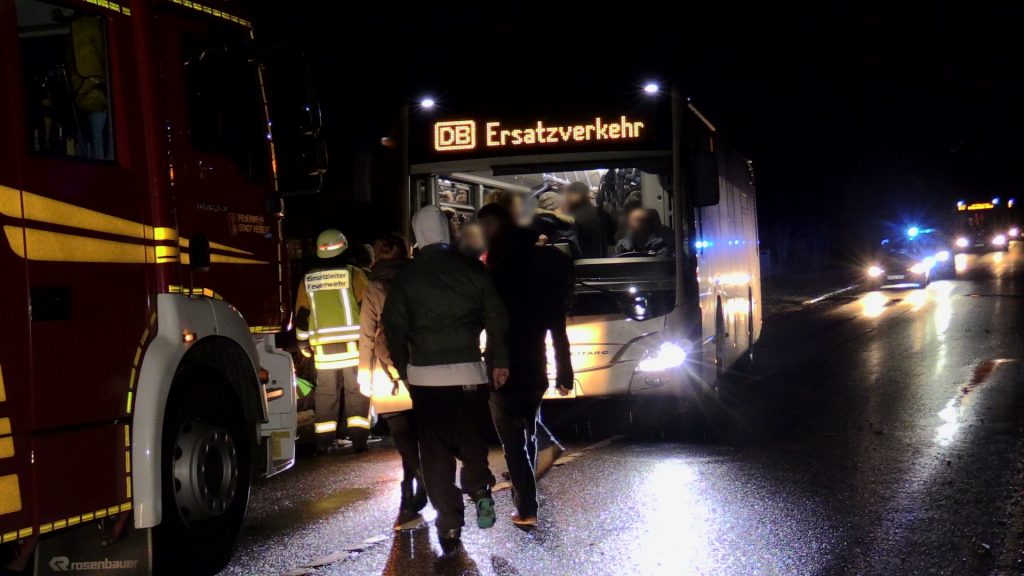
pixel 206 472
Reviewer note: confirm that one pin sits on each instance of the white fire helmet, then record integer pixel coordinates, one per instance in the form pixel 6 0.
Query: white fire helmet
pixel 330 243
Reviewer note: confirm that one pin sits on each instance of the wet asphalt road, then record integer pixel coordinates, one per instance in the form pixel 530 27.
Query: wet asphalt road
pixel 878 433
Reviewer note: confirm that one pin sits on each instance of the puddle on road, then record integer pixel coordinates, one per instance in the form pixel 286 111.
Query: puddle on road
pixel 308 512
pixel 953 411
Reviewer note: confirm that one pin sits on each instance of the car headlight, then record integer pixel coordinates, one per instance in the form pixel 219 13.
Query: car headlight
pixel 942 256
pixel 999 239
pixel 665 357
pixel 875 271
pixel 962 242
pixel 919 268
pixel 1014 232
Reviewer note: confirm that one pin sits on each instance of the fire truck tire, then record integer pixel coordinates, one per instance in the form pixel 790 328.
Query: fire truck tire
pixel 206 474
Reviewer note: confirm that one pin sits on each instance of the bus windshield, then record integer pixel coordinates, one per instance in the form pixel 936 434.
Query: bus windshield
pixel 615 223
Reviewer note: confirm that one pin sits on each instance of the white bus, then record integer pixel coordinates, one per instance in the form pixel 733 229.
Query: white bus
pixel 648 318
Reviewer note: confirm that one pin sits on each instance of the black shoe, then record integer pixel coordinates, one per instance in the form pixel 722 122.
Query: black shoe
pixel 419 500
pixel 451 540
pixel 408 505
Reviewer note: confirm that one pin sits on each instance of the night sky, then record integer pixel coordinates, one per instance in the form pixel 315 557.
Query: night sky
pixel 858 116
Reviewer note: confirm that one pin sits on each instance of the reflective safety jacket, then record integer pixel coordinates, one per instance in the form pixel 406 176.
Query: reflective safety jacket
pixel 327 315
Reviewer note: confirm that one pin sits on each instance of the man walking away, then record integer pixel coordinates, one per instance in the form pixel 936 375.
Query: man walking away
pixel 534 283
pixel 590 224
pixel 327 320
pixel 379 379
pixel 438 305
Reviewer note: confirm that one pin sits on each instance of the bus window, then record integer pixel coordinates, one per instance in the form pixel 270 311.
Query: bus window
pixel 66 71
pixel 612 221
pixel 225 113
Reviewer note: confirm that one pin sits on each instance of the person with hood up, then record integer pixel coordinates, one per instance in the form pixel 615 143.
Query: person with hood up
pixel 554 226
pixel 438 305
pixel 379 379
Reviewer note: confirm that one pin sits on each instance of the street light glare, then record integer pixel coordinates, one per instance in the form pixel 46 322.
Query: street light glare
pixel 651 87
pixel 427 103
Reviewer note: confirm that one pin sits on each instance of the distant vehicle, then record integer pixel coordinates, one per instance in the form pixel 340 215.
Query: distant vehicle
pixel 902 262
pixel 985 226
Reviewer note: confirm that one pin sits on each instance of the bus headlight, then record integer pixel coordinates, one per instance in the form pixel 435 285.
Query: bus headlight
pixel 875 271
pixel 962 242
pixel 942 256
pixel 665 357
pixel 1014 232
pixel 919 268
pixel 999 240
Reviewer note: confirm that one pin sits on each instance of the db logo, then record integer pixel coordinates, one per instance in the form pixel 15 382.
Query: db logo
pixel 60 563
pixel 455 135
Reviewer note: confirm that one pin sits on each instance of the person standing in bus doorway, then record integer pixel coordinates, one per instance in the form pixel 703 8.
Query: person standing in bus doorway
pixel 379 379
pixel 434 314
pixel 327 321
pixel 589 222
pixel 534 283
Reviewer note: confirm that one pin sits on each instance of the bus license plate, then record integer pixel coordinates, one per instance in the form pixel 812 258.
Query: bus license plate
pixel 895 277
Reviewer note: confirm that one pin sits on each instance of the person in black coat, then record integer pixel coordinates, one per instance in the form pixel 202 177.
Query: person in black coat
pixel 590 222
pixel 535 283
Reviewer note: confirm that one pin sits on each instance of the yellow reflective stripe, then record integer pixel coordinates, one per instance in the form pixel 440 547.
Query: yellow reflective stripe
pixel 325 427
pixel 213 12
pixel 10 494
pixel 5 426
pixel 265 329
pixel 162 233
pixel 43 209
pixel 111 6
pixel 166 254
pixel 358 422
pixel 6 447
pixel 3 392
pixel 335 364
pixel 49 246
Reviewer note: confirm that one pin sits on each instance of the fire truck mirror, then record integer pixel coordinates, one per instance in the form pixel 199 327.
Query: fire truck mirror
pixel 199 253
pixel 275 206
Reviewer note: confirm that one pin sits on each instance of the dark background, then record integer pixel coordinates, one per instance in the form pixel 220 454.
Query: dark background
pixel 860 117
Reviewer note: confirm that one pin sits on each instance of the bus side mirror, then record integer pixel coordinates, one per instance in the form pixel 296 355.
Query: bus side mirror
pixel 704 178
pixel 199 253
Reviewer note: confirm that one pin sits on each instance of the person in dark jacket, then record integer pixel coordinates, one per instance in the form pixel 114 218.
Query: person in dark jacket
pixel 534 283
pixel 646 235
pixel 554 225
pixel 589 222
pixel 437 307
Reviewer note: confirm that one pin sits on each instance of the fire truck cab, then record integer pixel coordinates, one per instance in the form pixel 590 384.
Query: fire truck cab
pixel 143 278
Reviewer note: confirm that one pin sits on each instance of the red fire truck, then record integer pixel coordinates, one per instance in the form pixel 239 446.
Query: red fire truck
pixel 142 276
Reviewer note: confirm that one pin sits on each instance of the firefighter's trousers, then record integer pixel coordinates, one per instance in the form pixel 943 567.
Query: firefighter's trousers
pixel 331 388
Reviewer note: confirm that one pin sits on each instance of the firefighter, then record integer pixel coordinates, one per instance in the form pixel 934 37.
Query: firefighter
pixel 327 318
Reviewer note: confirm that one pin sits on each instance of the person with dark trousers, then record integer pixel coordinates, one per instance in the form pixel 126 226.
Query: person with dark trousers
pixel 534 283
pixel 589 222
pixel 437 307
pixel 378 378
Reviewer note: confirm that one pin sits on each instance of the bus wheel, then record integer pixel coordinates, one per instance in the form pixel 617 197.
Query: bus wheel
pixel 206 473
